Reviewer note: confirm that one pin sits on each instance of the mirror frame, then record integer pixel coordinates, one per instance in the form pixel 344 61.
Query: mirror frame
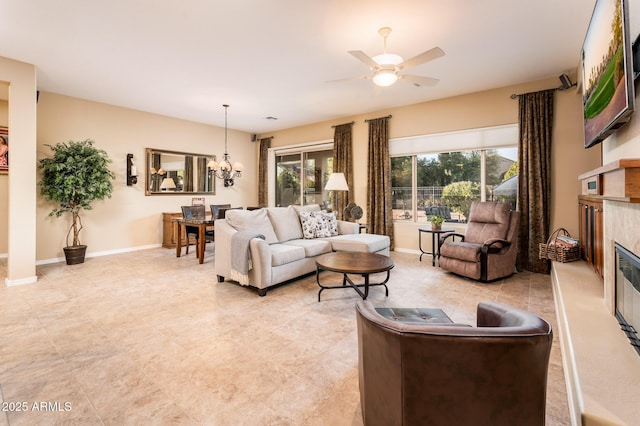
pixel 148 176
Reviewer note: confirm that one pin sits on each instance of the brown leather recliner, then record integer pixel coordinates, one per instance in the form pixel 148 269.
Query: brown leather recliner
pixel 451 374
pixel 488 249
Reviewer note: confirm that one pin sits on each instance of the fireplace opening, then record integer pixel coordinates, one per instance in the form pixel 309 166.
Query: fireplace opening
pixel 627 294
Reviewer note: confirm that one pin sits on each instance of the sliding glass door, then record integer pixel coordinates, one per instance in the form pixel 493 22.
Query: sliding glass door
pixel 301 175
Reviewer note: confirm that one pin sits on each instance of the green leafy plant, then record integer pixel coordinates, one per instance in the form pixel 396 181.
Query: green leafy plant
pixel 460 195
pixel 74 177
pixel 436 220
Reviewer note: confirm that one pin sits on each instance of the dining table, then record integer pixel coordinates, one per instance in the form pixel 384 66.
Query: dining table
pixel 202 225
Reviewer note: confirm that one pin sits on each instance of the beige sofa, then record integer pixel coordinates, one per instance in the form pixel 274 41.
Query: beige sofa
pixel 287 251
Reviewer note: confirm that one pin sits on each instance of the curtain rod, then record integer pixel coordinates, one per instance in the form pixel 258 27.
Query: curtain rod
pixel 268 137
pixel 351 122
pixel 371 119
pixel 515 96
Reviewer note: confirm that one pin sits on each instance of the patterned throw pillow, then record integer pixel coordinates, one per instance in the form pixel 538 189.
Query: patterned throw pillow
pixel 314 225
pixel 332 222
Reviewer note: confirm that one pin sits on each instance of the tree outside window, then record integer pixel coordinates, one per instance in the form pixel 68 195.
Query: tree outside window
pixel 446 183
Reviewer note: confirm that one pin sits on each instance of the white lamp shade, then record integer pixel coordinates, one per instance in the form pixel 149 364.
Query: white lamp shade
pixel 385 78
pixel 337 182
pixel 238 166
pixel 168 183
pixel 213 165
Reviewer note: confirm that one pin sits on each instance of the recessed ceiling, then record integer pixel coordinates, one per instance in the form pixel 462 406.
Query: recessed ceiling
pixel 274 58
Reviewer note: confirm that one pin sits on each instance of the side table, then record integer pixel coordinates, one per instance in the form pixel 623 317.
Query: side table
pixel 435 247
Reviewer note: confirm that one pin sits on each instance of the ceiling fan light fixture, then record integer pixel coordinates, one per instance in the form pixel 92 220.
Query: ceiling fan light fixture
pixel 385 78
pixel 388 59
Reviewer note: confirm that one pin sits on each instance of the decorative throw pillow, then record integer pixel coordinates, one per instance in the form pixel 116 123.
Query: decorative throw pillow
pixel 332 222
pixel 314 225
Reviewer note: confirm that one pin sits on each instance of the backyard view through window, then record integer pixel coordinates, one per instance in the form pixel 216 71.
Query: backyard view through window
pixel 446 183
pixel 301 176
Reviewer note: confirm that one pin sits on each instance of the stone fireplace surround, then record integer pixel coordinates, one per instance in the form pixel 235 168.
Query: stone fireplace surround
pixel 602 369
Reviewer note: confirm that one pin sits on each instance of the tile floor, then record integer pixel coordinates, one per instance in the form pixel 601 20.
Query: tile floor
pixel 148 338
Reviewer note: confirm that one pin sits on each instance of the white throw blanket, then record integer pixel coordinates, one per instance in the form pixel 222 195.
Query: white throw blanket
pixel 241 255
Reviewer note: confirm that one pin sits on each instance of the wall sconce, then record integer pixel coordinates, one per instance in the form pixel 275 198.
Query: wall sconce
pixel 132 172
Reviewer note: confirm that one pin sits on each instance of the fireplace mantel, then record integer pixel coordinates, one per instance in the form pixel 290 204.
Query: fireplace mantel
pixel 616 181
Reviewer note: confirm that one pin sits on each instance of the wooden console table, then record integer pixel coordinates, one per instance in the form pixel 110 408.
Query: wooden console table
pixel 170 231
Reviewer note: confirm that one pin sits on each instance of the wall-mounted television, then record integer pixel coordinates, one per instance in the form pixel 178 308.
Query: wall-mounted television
pixel 607 72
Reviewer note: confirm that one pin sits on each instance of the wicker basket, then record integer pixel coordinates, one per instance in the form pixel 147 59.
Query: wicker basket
pixel 552 251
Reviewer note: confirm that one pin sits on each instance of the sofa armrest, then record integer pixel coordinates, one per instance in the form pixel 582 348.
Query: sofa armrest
pixel 260 273
pixel 345 227
pixel 223 235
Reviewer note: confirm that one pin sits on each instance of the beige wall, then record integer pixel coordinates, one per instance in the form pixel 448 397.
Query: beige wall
pixel 130 219
pixel 483 109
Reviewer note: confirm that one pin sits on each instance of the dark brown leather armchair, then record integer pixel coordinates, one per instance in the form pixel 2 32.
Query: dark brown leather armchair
pixel 425 374
pixel 488 249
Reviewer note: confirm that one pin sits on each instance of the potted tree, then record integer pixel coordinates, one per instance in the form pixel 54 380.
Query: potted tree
pixel 74 177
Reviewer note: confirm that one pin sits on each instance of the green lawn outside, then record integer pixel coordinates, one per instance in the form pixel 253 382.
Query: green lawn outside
pixel 604 91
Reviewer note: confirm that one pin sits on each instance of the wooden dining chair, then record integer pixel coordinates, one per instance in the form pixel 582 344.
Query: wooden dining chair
pixel 193 212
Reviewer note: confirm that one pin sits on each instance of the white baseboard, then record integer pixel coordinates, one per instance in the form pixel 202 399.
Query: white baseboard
pixel 22 281
pixel 406 250
pixel 101 253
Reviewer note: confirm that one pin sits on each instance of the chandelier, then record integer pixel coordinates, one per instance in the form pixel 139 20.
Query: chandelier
pixel 225 170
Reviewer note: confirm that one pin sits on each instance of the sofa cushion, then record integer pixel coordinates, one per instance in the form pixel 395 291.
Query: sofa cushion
pixel 360 242
pixel 306 208
pixel 314 225
pixel 313 247
pixel 252 220
pixel 281 254
pixel 285 222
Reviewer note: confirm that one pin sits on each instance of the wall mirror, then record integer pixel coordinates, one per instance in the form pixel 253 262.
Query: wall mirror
pixel 172 172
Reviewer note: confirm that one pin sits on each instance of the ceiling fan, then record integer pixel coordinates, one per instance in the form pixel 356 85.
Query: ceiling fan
pixel 387 68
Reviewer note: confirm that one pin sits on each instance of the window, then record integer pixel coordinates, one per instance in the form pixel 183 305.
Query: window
pixel 447 182
pixel 300 175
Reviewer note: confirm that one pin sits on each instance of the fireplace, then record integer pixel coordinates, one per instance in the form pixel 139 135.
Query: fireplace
pixel 627 293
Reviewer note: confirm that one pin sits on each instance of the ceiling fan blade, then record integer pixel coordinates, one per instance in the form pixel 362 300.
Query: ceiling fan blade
pixel 418 80
pixel 427 56
pixel 363 57
pixel 339 80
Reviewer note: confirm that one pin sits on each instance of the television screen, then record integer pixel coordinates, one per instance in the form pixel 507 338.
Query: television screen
pixel 607 72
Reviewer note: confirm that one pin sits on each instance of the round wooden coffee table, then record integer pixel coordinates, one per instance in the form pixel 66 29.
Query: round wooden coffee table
pixel 356 263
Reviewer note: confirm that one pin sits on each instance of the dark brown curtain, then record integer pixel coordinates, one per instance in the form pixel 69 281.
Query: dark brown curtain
pixel 263 194
pixel 379 210
pixel 534 183
pixel 343 162
pixel 188 173
pixel 155 178
pixel 202 174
